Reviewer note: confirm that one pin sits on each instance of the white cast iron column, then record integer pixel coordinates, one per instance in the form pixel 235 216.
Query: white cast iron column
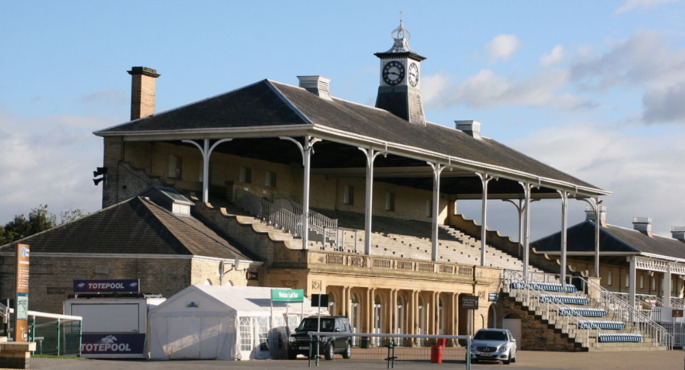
pixel 371 155
pixel 306 152
pixel 437 170
pixel 484 180
pixel 206 152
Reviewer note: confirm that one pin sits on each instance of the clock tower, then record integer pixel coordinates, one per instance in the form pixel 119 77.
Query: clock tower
pixel 400 79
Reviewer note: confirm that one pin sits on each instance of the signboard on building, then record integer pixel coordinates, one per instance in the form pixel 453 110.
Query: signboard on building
pixel 107 286
pixel 677 313
pixel 492 297
pixel 469 302
pixel 113 344
pixel 21 316
pixel 287 295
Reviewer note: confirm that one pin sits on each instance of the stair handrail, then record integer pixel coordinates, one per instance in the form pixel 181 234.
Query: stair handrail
pixel 550 308
pixel 643 323
pixel 269 212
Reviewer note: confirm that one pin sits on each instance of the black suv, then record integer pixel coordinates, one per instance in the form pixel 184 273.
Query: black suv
pixel 328 346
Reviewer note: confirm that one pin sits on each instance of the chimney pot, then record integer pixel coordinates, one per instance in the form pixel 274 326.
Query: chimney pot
pixel 643 225
pixel 143 86
pixel 317 85
pixel 470 127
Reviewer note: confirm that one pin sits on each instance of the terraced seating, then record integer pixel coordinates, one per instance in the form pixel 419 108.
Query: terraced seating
pixel 548 287
pixel 619 337
pixel 586 312
pixel 563 299
pixel 601 324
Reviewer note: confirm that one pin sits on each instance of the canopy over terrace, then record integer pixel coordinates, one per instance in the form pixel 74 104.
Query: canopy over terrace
pixel 269 120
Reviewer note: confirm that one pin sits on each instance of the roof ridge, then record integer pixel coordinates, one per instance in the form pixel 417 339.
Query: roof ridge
pixel 180 107
pixel 279 93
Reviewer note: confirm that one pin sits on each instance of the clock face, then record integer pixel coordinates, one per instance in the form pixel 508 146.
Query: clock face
pixel 393 73
pixel 413 74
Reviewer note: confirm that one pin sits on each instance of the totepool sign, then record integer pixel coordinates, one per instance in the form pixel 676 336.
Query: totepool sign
pixel 107 286
pixel 115 343
pixel 287 295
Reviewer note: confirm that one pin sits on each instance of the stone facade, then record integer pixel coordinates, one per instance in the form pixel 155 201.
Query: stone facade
pixel 52 276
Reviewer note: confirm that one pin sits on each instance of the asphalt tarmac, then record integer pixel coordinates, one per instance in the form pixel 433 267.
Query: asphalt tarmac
pixel 661 360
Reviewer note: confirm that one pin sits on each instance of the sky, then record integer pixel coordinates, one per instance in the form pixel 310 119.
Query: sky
pixel 593 88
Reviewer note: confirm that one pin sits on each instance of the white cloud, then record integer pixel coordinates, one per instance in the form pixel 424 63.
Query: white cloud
pixel 635 4
pixel 644 61
pixel 555 56
pixel 638 169
pixel 502 47
pixel 488 89
pixel 48 160
pixel 433 87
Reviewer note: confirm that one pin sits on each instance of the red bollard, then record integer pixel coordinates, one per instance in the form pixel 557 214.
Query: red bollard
pixel 436 354
pixel 442 342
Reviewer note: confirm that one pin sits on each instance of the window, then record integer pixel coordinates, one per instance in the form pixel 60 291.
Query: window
pixel 245 334
pixel 642 281
pixel 270 179
pixel 627 280
pixel 348 195
pixel 175 164
pixel 609 278
pixel 429 208
pixel 245 175
pixel 390 201
pixel 653 279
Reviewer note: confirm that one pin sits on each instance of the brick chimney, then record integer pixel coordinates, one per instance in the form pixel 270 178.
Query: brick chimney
pixel 643 225
pixel 317 85
pixel 143 82
pixel 678 233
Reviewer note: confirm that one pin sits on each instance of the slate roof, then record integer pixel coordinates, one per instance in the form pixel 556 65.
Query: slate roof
pixel 135 226
pixel 613 239
pixel 269 103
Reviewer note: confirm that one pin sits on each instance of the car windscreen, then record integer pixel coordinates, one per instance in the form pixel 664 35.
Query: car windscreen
pixel 311 325
pixel 491 335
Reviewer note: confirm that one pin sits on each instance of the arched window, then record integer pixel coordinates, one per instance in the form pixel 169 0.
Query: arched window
pixel 422 319
pixel 355 316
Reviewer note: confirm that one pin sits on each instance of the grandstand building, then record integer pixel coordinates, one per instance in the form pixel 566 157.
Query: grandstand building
pixel 289 186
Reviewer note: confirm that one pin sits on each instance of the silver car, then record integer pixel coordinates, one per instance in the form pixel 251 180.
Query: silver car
pixel 493 345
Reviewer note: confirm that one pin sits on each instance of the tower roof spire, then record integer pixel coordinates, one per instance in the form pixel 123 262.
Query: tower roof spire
pixel 401 36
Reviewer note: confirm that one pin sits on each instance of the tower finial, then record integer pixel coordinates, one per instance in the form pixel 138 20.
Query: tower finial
pixel 401 36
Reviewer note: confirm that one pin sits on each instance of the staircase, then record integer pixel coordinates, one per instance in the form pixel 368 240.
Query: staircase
pixel 599 322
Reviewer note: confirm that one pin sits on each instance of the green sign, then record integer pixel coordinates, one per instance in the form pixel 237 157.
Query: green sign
pixel 287 295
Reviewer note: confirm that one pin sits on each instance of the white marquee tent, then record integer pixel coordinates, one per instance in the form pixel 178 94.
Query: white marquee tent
pixel 223 323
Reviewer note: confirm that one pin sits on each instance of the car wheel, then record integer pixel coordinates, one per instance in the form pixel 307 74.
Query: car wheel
pixel 292 355
pixel 508 360
pixel 348 351
pixel 328 352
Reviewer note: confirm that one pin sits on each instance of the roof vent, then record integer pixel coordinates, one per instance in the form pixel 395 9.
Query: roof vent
pixel 317 85
pixel 470 127
pixel 170 199
pixel 678 233
pixel 643 225
pixel 590 215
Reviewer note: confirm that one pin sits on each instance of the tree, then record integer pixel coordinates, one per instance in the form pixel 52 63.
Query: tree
pixel 39 219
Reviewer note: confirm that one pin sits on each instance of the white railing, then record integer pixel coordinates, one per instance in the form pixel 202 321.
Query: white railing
pixel 624 312
pixel 586 333
pixel 288 219
pixel 269 212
